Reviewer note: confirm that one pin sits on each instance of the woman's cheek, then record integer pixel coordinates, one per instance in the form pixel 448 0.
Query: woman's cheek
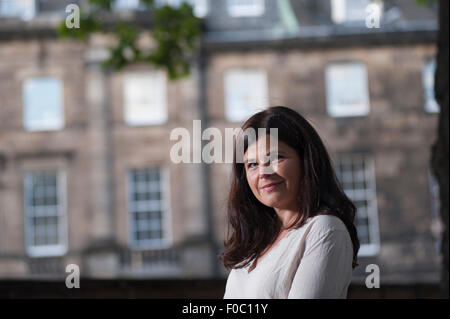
pixel 255 183
pixel 279 168
pixel 251 181
pixel 288 169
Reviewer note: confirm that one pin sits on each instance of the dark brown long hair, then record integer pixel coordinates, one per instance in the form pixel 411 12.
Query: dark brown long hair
pixel 254 226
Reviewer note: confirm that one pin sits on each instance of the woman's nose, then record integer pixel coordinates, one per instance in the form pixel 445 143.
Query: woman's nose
pixel 266 168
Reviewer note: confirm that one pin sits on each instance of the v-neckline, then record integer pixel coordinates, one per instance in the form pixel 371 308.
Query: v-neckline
pixel 264 257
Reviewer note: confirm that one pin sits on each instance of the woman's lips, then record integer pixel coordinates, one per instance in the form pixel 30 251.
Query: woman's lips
pixel 270 186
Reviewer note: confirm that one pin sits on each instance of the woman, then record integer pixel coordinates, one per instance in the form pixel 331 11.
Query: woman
pixel 292 232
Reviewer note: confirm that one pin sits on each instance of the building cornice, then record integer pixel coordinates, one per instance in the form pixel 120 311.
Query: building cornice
pixel 311 37
pixel 322 37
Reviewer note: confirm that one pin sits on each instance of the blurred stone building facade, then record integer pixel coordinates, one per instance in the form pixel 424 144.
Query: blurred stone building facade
pixel 85 169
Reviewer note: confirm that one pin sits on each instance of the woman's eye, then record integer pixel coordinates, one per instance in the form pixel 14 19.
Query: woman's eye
pixel 251 165
pixel 277 157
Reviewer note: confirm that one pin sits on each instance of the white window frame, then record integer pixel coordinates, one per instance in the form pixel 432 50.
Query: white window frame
pixel 46 250
pixel 126 5
pixel 334 76
pixel 337 11
pixel 428 71
pixel 367 194
pixel 259 100
pixel 145 117
pixel 28 14
pixel 34 125
pixel 246 8
pixel 340 12
pixel 151 244
pixel 201 7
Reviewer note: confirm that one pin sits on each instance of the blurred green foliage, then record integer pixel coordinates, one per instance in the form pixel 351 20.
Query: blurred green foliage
pixel 426 2
pixel 174 29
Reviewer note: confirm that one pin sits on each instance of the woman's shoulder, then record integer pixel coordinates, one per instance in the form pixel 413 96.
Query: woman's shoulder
pixel 326 223
pixel 326 229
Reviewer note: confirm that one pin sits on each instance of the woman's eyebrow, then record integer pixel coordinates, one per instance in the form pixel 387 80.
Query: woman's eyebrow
pixel 274 151
pixel 277 151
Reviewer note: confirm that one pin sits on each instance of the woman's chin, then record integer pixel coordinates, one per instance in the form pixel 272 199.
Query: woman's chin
pixel 273 201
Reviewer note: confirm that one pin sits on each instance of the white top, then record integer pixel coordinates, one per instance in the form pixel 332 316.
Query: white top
pixel 313 261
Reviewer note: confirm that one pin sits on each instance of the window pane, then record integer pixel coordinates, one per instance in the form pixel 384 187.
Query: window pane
pixel 245 93
pixel 145 98
pixel 125 4
pixel 200 7
pixel 42 209
pixel 347 90
pixel 43 106
pixel 246 8
pixel 24 9
pixel 357 178
pixel 155 234
pixel 51 232
pixel 146 207
pixel 343 11
pixel 355 10
pixel 428 86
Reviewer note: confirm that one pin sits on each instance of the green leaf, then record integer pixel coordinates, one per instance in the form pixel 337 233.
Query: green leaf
pixel 88 25
pixel 175 31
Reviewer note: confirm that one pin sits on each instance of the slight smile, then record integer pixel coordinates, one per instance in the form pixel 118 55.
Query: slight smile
pixel 270 186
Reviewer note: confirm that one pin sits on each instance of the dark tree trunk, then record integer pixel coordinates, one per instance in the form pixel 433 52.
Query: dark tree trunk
pixel 439 150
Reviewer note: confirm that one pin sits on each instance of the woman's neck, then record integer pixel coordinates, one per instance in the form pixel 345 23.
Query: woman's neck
pixel 286 216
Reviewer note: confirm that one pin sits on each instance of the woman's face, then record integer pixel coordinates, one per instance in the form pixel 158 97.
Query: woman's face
pixel 274 180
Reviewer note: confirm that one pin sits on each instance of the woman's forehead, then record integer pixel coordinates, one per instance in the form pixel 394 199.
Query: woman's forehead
pixel 265 146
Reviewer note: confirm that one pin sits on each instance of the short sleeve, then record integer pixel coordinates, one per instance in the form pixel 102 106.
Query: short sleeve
pixel 325 269
pixel 229 287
